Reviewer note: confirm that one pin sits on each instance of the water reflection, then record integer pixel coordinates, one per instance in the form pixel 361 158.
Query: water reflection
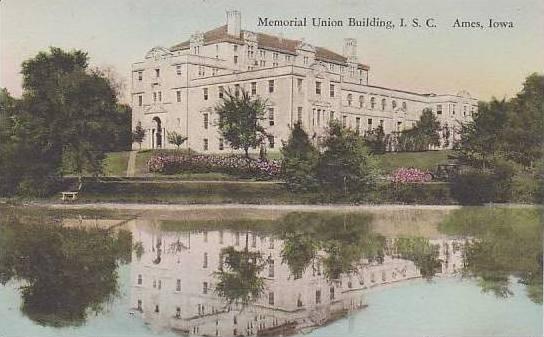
pixel 65 273
pixel 305 271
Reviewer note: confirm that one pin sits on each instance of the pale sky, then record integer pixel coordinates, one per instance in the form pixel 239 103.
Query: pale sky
pixel 117 33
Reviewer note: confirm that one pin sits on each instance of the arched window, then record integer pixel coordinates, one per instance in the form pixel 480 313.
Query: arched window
pixel 350 98
pixel 373 103
pixel 394 104
pixel 383 104
pixel 361 101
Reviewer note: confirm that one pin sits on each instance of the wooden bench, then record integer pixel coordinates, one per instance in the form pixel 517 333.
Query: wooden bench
pixel 69 196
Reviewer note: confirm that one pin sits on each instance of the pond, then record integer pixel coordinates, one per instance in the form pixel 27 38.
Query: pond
pixel 247 272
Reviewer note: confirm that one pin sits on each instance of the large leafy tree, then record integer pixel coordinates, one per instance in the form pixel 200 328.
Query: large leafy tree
pixel 346 164
pixel 299 160
pixel 67 118
pixel 524 133
pixel 240 117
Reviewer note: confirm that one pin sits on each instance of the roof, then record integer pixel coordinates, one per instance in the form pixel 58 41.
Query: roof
pixel 267 41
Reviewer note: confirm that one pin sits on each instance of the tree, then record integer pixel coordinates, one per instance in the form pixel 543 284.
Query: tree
pixel 239 120
pixel 138 134
pixel 524 131
pixel 423 135
pixel 376 140
pixel 346 164
pixel 299 160
pixel 64 120
pixel 481 139
pixel 176 138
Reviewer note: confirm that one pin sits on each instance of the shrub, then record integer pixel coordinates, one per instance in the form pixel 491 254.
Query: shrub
pixel 474 187
pixel 234 165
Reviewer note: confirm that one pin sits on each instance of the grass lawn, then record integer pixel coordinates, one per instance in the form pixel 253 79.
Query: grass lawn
pixel 421 160
pixel 116 163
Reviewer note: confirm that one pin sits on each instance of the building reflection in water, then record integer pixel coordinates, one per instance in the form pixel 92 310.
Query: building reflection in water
pixel 174 273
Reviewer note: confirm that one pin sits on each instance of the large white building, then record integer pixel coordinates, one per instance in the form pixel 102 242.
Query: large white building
pixel 177 88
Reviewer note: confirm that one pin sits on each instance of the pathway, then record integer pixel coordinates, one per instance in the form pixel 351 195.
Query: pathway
pixel 131 169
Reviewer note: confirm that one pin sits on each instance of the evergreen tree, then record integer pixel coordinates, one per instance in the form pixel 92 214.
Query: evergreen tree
pixel 299 160
pixel 346 165
pixel 138 134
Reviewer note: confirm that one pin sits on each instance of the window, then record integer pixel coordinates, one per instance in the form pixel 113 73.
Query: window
pixel 299 301
pixel 140 100
pixel 154 97
pixel 394 104
pixel 439 109
pixel 221 148
pixel 305 60
pixel 275 56
pixel 178 285
pixel 271 268
pixel 331 115
pixel 206 120
pixel 205 260
pixel 178 312
pixel 384 102
pixel 299 114
pixel 271 86
pixel 205 93
pixel 361 101
pixel 350 99
pixel 235 48
pixel 331 293
pixel 344 121
pixel 271 298
pixel 331 90
pixel 140 75
pixel 318 88
pixel 453 110
pixel 157 73
pixel 140 308
pixel 205 144
pixel 237 90
pixel 271 142
pixel 178 95
pixel 464 110
pixel 357 123
pixel 369 121
pixel 157 309
pixel 178 69
pixel 271 116
pixel 140 279
pixel 318 116
pixel 404 106
pixel 204 287
pixel 299 84
pixel 399 125
pixel 235 59
pixel 201 71
pixel 372 103
pixel 221 91
pixel 317 296
pixel 254 88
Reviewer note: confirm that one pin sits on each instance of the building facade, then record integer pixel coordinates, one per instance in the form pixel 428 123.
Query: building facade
pixel 177 89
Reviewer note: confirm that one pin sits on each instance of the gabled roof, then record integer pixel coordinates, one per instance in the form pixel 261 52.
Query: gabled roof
pixel 267 41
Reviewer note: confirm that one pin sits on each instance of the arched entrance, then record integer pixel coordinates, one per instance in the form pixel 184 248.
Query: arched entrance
pixel 156 137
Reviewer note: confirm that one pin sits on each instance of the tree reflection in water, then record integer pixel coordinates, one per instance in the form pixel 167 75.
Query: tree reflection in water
pixel 65 272
pixel 503 242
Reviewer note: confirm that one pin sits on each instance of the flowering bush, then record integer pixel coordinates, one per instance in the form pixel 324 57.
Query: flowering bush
pixel 410 175
pixel 235 165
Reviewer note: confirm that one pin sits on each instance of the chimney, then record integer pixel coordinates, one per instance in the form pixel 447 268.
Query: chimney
pixel 234 23
pixel 350 49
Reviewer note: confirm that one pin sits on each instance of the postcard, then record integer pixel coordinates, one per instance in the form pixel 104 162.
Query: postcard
pixel 255 168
